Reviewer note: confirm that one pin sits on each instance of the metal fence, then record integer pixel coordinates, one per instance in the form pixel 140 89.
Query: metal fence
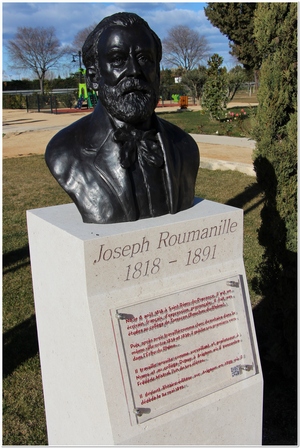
pixel 51 103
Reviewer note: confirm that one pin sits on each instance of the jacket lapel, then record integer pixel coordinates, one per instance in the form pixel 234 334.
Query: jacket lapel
pixel 172 165
pixel 108 166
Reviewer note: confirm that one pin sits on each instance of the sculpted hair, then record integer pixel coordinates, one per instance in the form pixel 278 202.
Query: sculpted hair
pixel 90 47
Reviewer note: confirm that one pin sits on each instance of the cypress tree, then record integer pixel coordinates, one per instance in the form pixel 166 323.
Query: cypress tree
pixel 215 88
pixel 275 162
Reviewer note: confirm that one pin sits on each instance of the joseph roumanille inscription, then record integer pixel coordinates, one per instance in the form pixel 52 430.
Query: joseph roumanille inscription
pixel 186 345
pixel 199 245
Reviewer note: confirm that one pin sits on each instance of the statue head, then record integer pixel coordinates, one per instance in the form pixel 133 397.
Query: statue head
pixel 122 58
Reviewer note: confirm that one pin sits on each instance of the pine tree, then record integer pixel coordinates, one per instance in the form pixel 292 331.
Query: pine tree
pixel 236 21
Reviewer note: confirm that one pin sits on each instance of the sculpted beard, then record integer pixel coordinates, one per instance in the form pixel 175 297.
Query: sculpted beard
pixel 131 100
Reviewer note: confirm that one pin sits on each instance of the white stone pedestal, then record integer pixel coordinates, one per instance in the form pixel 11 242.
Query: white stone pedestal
pixel 145 329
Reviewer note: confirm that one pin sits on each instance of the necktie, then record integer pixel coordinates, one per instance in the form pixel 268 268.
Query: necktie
pixel 141 144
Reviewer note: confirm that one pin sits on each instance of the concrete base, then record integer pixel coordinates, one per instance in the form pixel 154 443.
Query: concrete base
pixel 84 275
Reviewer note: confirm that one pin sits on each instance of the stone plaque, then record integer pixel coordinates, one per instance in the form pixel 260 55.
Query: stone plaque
pixel 180 347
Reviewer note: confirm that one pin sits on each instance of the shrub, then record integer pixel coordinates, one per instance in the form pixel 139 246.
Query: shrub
pixel 14 101
pixel 216 88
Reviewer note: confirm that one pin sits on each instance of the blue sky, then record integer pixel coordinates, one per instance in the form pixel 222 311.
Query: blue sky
pixel 70 17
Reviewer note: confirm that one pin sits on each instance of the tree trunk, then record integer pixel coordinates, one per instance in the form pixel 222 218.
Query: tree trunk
pixel 41 77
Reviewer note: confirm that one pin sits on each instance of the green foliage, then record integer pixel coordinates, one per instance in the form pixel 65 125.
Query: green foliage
pixel 237 122
pixel 166 84
pixel 236 21
pixel 64 83
pixel 276 166
pixel 57 83
pixel 14 101
pixel 215 89
pixel 168 87
pixel 66 100
pixel 21 84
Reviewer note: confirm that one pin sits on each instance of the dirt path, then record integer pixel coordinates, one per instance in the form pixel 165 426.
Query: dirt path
pixel 29 133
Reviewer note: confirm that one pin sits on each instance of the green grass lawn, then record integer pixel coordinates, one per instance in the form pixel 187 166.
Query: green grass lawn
pixel 237 122
pixel 28 184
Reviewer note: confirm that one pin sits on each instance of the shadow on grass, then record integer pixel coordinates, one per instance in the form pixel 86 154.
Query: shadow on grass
pixel 241 199
pixel 11 260
pixel 19 344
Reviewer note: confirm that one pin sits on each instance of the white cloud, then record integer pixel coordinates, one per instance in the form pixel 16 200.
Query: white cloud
pixel 69 18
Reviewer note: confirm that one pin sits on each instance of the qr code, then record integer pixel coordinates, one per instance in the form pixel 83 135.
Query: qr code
pixel 235 371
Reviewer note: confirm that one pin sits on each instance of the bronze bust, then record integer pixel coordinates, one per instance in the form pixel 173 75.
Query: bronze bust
pixel 122 162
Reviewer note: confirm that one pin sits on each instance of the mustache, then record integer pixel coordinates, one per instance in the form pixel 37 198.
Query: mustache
pixel 128 85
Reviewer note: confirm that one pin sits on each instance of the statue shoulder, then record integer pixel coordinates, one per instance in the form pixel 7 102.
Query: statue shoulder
pixel 64 148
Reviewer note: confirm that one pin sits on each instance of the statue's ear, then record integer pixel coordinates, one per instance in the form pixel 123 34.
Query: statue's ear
pixel 92 78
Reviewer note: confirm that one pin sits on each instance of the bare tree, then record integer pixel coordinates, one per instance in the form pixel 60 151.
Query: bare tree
pixel 184 47
pixel 37 50
pixel 81 36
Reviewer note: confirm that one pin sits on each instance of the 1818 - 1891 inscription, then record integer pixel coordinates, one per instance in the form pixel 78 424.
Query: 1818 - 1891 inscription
pixel 168 363
pixel 147 256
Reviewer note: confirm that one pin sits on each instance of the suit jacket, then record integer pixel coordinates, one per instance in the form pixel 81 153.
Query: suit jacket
pixel 84 159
